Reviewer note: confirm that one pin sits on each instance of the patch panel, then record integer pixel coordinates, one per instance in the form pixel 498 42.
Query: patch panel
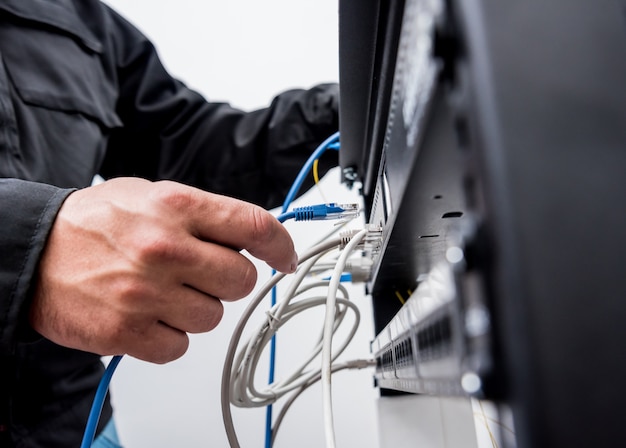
pixel 425 348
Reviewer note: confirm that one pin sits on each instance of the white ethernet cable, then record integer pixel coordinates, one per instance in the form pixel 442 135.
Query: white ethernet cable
pixel 355 364
pixel 238 374
pixel 226 398
pixel 329 323
pixel 242 388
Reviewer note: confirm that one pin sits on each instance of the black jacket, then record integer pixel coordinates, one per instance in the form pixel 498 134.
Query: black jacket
pixel 83 92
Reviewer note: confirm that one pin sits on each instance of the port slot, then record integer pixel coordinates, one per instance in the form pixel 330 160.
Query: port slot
pixel 385 360
pixel 404 353
pixel 435 339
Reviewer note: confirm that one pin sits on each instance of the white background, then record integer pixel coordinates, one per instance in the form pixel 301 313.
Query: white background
pixel 243 52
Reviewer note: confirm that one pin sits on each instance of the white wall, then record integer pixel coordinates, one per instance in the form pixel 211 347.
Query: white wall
pixel 244 52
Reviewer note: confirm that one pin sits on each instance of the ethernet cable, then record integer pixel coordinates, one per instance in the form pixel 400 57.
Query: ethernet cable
pixel 238 331
pixel 98 402
pixel 238 375
pixel 331 142
pixel 243 391
pixel 329 322
pixel 355 364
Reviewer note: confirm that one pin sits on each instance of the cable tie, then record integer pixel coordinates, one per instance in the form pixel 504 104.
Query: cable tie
pixel 272 321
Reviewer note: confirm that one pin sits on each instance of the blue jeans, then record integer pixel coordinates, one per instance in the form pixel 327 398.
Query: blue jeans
pixel 107 438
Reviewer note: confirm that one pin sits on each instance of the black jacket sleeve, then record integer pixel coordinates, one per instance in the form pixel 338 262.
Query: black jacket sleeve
pixel 29 210
pixel 171 132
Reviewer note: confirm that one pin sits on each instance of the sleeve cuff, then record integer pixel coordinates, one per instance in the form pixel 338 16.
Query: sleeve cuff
pixel 28 212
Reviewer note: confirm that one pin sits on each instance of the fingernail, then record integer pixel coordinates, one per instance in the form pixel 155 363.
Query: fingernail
pixel 294 263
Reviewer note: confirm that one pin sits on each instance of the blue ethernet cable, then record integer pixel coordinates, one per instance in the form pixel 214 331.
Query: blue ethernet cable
pixel 98 402
pixel 331 142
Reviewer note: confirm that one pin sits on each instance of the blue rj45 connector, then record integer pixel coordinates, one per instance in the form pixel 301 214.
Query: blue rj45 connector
pixel 322 212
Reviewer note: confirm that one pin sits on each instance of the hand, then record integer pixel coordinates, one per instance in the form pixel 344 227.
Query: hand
pixel 131 266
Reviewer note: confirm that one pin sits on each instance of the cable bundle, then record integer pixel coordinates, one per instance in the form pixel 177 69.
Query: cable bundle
pixel 238 386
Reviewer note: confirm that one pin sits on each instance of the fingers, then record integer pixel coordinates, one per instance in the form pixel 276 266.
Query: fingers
pixel 160 345
pixel 242 225
pixel 219 271
pixel 166 340
pixel 155 331
pixel 195 312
